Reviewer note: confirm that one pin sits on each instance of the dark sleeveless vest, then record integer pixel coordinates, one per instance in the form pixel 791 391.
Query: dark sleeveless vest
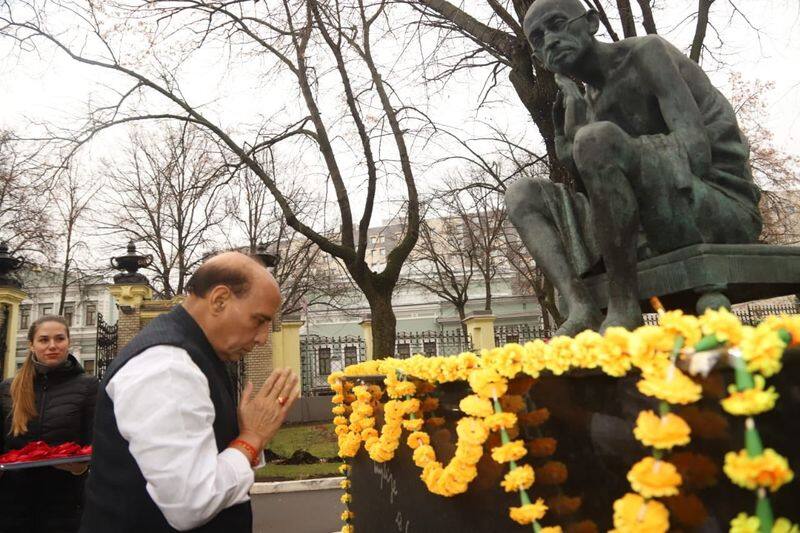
pixel 116 498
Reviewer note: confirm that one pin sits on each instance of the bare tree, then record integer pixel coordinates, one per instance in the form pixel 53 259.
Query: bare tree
pixel 775 171
pixel 71 199
pixel 301 273
pixel 167 196
pixel 482 216
pixel 24 217
pixel 529 278
pixel 443 262
pixel 311 41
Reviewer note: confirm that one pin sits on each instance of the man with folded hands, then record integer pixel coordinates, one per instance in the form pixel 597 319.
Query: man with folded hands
pixel 171 449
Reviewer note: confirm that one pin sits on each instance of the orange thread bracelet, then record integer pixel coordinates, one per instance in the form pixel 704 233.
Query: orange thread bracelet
pixel 249 449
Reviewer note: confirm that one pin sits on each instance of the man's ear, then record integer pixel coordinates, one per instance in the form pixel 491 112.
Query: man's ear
pixel 218 298
pixel 594 21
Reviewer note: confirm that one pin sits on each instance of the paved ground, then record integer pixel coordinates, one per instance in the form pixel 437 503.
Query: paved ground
pixel 297 512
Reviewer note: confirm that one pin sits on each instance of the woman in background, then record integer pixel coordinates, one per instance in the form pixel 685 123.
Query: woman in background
pixel 50 399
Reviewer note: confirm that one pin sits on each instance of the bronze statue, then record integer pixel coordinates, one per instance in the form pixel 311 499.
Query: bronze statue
pixel 661 162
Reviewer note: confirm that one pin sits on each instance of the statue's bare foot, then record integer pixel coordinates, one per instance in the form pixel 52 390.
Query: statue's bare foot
pixel 579 320
pixel 628 316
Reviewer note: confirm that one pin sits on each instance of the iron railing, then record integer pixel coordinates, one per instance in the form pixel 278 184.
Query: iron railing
pixel 320 356
pixel 107 335
pixel 449 342
pixel 749 316
pixel 519 333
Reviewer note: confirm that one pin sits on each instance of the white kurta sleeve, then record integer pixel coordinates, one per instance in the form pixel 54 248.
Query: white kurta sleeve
pixel 163 409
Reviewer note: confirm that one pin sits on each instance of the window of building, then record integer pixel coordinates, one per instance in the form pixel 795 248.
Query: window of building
pixel 350 355
pixel 403 350
pixel 88 365
pixel 90 310
pixel 324 360
pixel 69 313
pixel 45 309
pixel 24 317
pixel 429 347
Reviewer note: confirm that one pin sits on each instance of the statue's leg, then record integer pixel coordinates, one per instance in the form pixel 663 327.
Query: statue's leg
pixel 605 156
pixel 526 209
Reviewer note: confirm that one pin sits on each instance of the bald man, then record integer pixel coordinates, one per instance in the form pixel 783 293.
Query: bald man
pixel 659 154
pixel 171 452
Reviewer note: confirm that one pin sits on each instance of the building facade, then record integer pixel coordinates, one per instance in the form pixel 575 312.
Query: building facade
pixel 87 300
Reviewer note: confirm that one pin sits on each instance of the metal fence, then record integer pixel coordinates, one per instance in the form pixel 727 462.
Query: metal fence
pixel 750 315
pixel 519 333
pixel 106 345
pixel 450 342
pixel 320 356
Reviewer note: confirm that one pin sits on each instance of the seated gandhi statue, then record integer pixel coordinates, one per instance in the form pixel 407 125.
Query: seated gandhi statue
pixel 661 162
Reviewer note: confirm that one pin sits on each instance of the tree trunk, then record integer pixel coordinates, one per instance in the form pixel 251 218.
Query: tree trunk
pixel 384 324
pixel 65 273
pixel 626 18
pixel 487 282
pixel 462 314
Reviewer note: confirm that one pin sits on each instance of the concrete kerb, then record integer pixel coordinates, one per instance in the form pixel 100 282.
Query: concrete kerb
pixel 276 487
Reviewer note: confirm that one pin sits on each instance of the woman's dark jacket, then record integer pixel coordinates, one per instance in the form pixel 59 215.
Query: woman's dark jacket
pixel 47 499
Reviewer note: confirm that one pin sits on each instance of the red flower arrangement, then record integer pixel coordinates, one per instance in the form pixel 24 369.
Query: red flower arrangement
pixel 41 451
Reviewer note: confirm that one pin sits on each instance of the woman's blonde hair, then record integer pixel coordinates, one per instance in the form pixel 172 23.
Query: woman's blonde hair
pixel 23 397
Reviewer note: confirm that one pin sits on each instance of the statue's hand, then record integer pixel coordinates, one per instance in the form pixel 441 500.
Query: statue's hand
pixel 568 87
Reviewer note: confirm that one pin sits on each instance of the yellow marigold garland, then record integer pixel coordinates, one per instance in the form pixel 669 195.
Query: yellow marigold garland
pixel 648 348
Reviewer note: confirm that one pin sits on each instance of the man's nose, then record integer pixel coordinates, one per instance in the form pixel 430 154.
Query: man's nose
pixel 262 336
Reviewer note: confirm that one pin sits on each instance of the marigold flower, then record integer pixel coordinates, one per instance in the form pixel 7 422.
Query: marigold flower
pixel 424 455
pixel 653 478
pixel 348 445
pixel 430 404
pixel 752 401
pixel 687 509
pixel 471 431
pixel 705 424
pixel 513 451
pixel 790 323
pixel 500 420
pixel 339 410
pixel 584 526
pixel 506 361
pixel 564 505
pixel 487 383
pixel 650 348
pixel 474 405
pixel 551 529
pixel 344 484
pixel 676 323
pixel 346 498
pixel 348 528
pixel 369 433
pixel 413 425
pixel 552 473
pixel 762 349
pixel 723 324
pixel 344 468
pixel 670 385
pixel 518 478
pixel 347 515
pixel 534 418
pixel 587 346
pixel 661 432
pixel 536 354
pixel 769 470
pixel 512 403
pixel 632 513
pixel 745 524
pixel 615 359
pixel 339 420
pixel 559 357
pixel 528 513
pixel 783 525
pixel 469 453
pixel 417 439
pixel 435 421
pixel 542 447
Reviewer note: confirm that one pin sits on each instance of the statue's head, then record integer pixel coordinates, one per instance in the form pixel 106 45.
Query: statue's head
pixel 560 32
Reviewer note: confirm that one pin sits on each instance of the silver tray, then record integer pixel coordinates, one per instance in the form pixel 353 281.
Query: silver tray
pixel 45 462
